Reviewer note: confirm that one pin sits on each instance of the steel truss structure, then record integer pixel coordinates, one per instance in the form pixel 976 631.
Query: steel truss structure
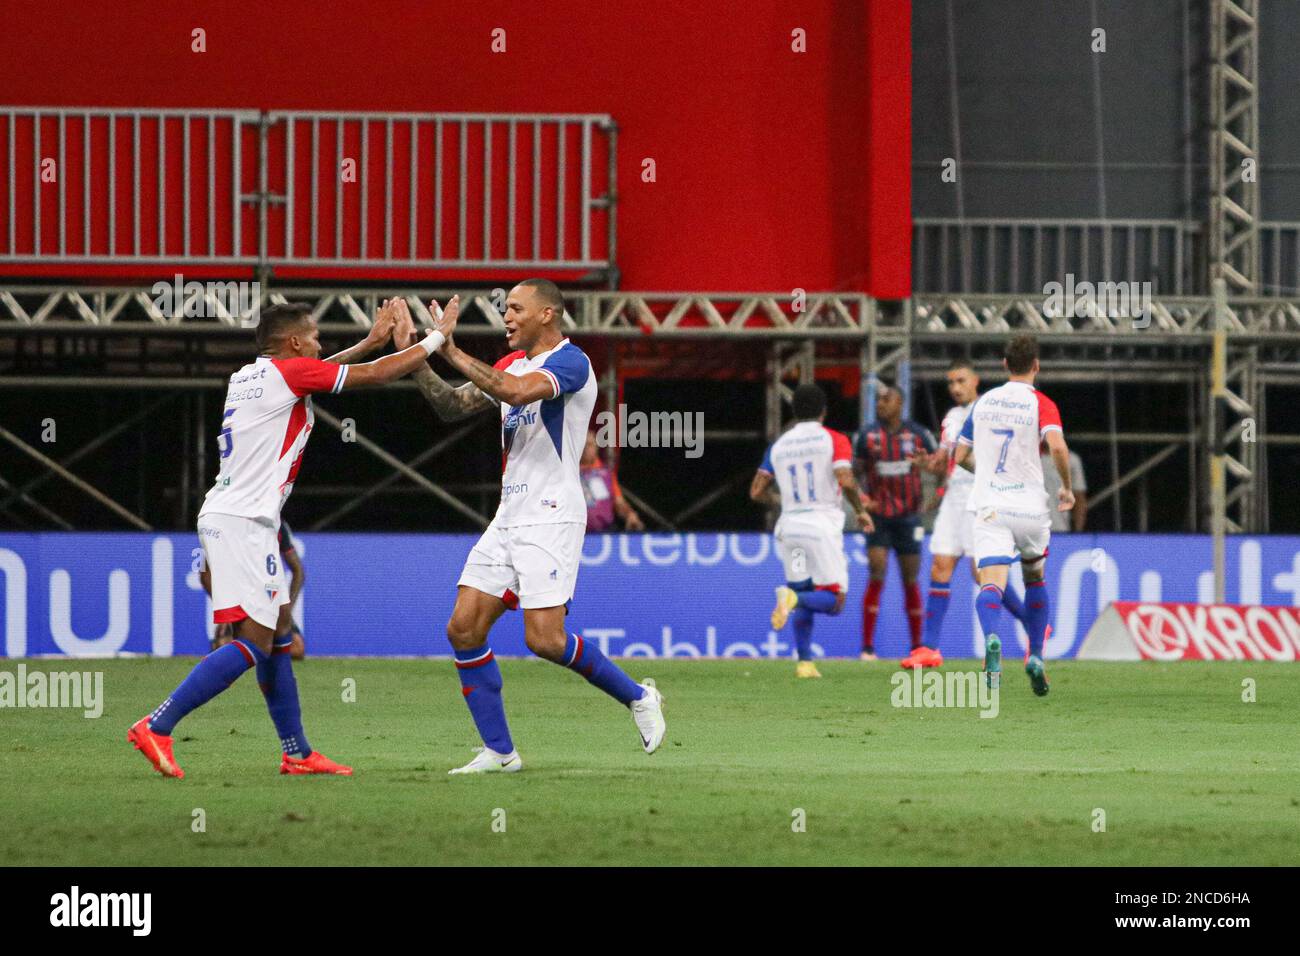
pixel 127 342
pixel 1234 144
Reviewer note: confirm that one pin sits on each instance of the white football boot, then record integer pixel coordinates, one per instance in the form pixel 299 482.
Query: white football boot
pixel 648 712
pixel 489 761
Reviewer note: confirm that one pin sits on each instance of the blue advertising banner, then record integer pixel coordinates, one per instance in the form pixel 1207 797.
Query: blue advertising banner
pixel 87 594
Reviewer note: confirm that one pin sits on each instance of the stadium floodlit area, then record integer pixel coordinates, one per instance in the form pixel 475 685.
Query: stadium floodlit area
pixel 605 401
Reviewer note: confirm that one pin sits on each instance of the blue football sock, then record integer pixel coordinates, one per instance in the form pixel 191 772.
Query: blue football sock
pixel 480 683
pixel 1038 614
pixel 586 658
pixel 209 678
pixel 802 620
pixel 988 605
pixel 936 606
pixel 819 602
pixel 1011 601
pixel 280 688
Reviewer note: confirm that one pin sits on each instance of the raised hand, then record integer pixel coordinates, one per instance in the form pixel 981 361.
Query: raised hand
pixel 404 326
pixel 382 328
pixel 444 320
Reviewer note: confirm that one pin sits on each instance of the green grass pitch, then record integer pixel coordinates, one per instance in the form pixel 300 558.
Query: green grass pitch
pixel 1184 770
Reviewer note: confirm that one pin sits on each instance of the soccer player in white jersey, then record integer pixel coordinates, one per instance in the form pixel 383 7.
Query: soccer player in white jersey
pixel 1003 432
pixel 265 426
pixel 545 392
pixel 954 526
pixel 813 467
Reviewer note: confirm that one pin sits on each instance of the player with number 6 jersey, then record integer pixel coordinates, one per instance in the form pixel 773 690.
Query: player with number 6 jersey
pixel 265 425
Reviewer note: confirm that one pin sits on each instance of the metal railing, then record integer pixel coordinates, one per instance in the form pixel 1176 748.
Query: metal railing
pixel 1022 255
pixel 122 186
pixel 431 191
pixel 1279 258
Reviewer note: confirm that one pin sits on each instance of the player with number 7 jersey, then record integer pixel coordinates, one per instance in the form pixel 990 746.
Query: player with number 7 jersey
pixel 1011 519
pixel 264 430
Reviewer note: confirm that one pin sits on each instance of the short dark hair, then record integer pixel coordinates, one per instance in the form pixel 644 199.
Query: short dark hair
pixel 809 402
pixel 961 363
pixel 1021 352
pixel 278 320
pixel 547 291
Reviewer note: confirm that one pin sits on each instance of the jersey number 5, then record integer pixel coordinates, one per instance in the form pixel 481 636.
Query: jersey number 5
pixel 226 441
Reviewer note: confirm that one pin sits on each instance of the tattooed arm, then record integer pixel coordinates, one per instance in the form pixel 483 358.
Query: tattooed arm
pixel 489 380
pixel 451 404
pixel 499 385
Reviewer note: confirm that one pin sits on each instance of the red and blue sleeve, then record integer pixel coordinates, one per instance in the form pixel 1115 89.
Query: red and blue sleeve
pixel 304 376
pixel 841 450
pixel 1049 416
pixel 568 369
pixel 967 434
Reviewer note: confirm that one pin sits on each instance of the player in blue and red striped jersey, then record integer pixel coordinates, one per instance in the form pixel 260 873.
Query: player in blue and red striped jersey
pixel 1012 520
pixel 265 426
pixel 890 455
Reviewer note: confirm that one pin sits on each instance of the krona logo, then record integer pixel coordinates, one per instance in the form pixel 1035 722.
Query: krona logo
pixel 1172 632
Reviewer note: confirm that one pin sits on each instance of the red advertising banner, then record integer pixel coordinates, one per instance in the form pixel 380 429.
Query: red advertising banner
pixel 1133 630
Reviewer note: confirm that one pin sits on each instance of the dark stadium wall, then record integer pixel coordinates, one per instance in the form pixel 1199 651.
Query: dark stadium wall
pixel 1027 105
pixel 774 169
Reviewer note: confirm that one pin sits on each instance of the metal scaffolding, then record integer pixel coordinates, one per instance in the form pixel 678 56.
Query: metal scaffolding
pixel 54 337
pixel 1234 144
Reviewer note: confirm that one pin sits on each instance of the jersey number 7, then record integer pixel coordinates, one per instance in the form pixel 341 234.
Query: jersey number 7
pixel 1006 444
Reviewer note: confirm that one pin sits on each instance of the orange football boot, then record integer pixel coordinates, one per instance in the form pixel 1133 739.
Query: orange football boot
pixel 156 747
pixel 315 762
pixel 923 656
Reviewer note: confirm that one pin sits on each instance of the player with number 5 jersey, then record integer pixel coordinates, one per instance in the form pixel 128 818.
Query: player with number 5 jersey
pixel 1002 436
pixel 265 425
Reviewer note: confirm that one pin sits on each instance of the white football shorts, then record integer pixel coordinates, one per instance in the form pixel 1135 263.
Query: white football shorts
pixel 1002 536
pixel 811 545
pixel 243 557
pixel 954 529
pixel 536 563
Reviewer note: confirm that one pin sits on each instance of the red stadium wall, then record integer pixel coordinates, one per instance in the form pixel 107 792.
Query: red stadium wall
pixel 775 169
